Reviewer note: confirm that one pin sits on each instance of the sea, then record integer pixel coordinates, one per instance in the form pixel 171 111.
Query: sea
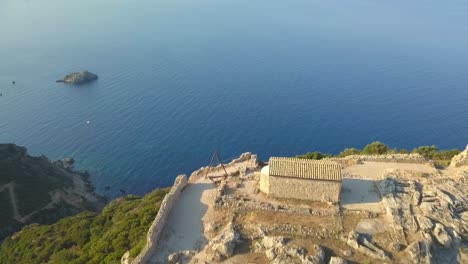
pixel 181 79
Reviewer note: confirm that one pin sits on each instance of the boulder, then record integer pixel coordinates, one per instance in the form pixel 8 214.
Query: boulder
pixel 273 241
pixel 270 254
pixel 278 251
pixel 337 260
pixel 347 253
pixel 460 159
pixel 362 244
pixel 224 244
pixel 442 236
pixel 126 258
pixel 181 257
pixel 79 77
pixel 419 252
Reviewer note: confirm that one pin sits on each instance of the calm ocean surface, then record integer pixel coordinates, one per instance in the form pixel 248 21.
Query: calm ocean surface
pixel 179 79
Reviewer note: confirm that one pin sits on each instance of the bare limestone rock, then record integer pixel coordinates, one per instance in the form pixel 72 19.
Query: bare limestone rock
pixel 464 216
pixel 181 257
pixel 442 236
pixel 126 258
pixel 337 260
pixel 362 244
pixel 425 223
pixel 278 251
pixel 347 253
pixel 270 254
pixel 460 159
pixel 399 200
pixel 224 244
pixel 420 252
pixel 274 241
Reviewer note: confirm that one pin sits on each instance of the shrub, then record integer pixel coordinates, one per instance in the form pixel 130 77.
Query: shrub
pixel 403 151
pixel 375 148
pixel 314 155
pixel 87 237
pixel 349 152
pixel 426 151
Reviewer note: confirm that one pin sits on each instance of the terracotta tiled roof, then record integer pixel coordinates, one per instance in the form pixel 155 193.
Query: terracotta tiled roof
pixel 305 168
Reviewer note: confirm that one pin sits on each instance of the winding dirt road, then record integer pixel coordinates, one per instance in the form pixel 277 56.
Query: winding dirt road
pixel 14 204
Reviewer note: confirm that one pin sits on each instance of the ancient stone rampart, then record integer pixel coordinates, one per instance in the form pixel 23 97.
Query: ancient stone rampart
pixel 247 161
pixel 398 158
pixel 155 231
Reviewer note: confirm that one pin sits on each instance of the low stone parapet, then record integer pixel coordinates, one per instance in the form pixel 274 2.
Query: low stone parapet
pixel 246 162
pixel 397 158
pixel 155 231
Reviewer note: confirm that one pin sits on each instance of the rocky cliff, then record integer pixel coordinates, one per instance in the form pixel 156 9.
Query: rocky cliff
pixel 36 190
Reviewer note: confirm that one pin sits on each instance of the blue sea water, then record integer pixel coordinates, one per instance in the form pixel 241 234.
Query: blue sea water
pixel 180 79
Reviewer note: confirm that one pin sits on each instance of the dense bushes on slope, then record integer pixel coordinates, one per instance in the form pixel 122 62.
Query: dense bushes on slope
pixel 87 237
pixel 442 157
pixel 36 190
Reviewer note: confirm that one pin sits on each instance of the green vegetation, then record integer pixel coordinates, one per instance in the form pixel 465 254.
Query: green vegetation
pixel 87 237
pixel 348 152
pixel 33 179
pixel 440 157
pixel 314 155
pixel 7 223
pixel 375 148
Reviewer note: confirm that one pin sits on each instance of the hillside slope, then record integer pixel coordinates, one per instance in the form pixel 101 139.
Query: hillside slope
pixel 35 190
pixel 87 237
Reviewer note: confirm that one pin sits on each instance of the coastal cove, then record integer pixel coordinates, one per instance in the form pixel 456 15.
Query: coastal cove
pixel 180 79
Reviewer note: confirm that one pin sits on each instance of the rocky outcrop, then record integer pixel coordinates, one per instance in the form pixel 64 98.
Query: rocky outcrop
pixel 222 246
pixel 431 211
pixel 246 162
pixel 337 260
pixel 79 77
pixel 126 259
pixel 399 204
pixel 420 252
pixel 460 159
pixel 362 244
pixel 442 236
pixel 181 257
pixel 277 250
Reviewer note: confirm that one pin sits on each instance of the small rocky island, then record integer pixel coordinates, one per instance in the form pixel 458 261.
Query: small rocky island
pixel 79 77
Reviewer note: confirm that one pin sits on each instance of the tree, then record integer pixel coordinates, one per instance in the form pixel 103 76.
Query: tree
pixel 426 151
pixel 375 148
pixel 348 152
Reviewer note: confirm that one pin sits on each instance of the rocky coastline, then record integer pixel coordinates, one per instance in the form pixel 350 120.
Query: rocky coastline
pixel 37 190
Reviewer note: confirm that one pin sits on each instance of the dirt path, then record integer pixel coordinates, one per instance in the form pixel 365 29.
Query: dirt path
pixel 184 229
pixel 14 204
